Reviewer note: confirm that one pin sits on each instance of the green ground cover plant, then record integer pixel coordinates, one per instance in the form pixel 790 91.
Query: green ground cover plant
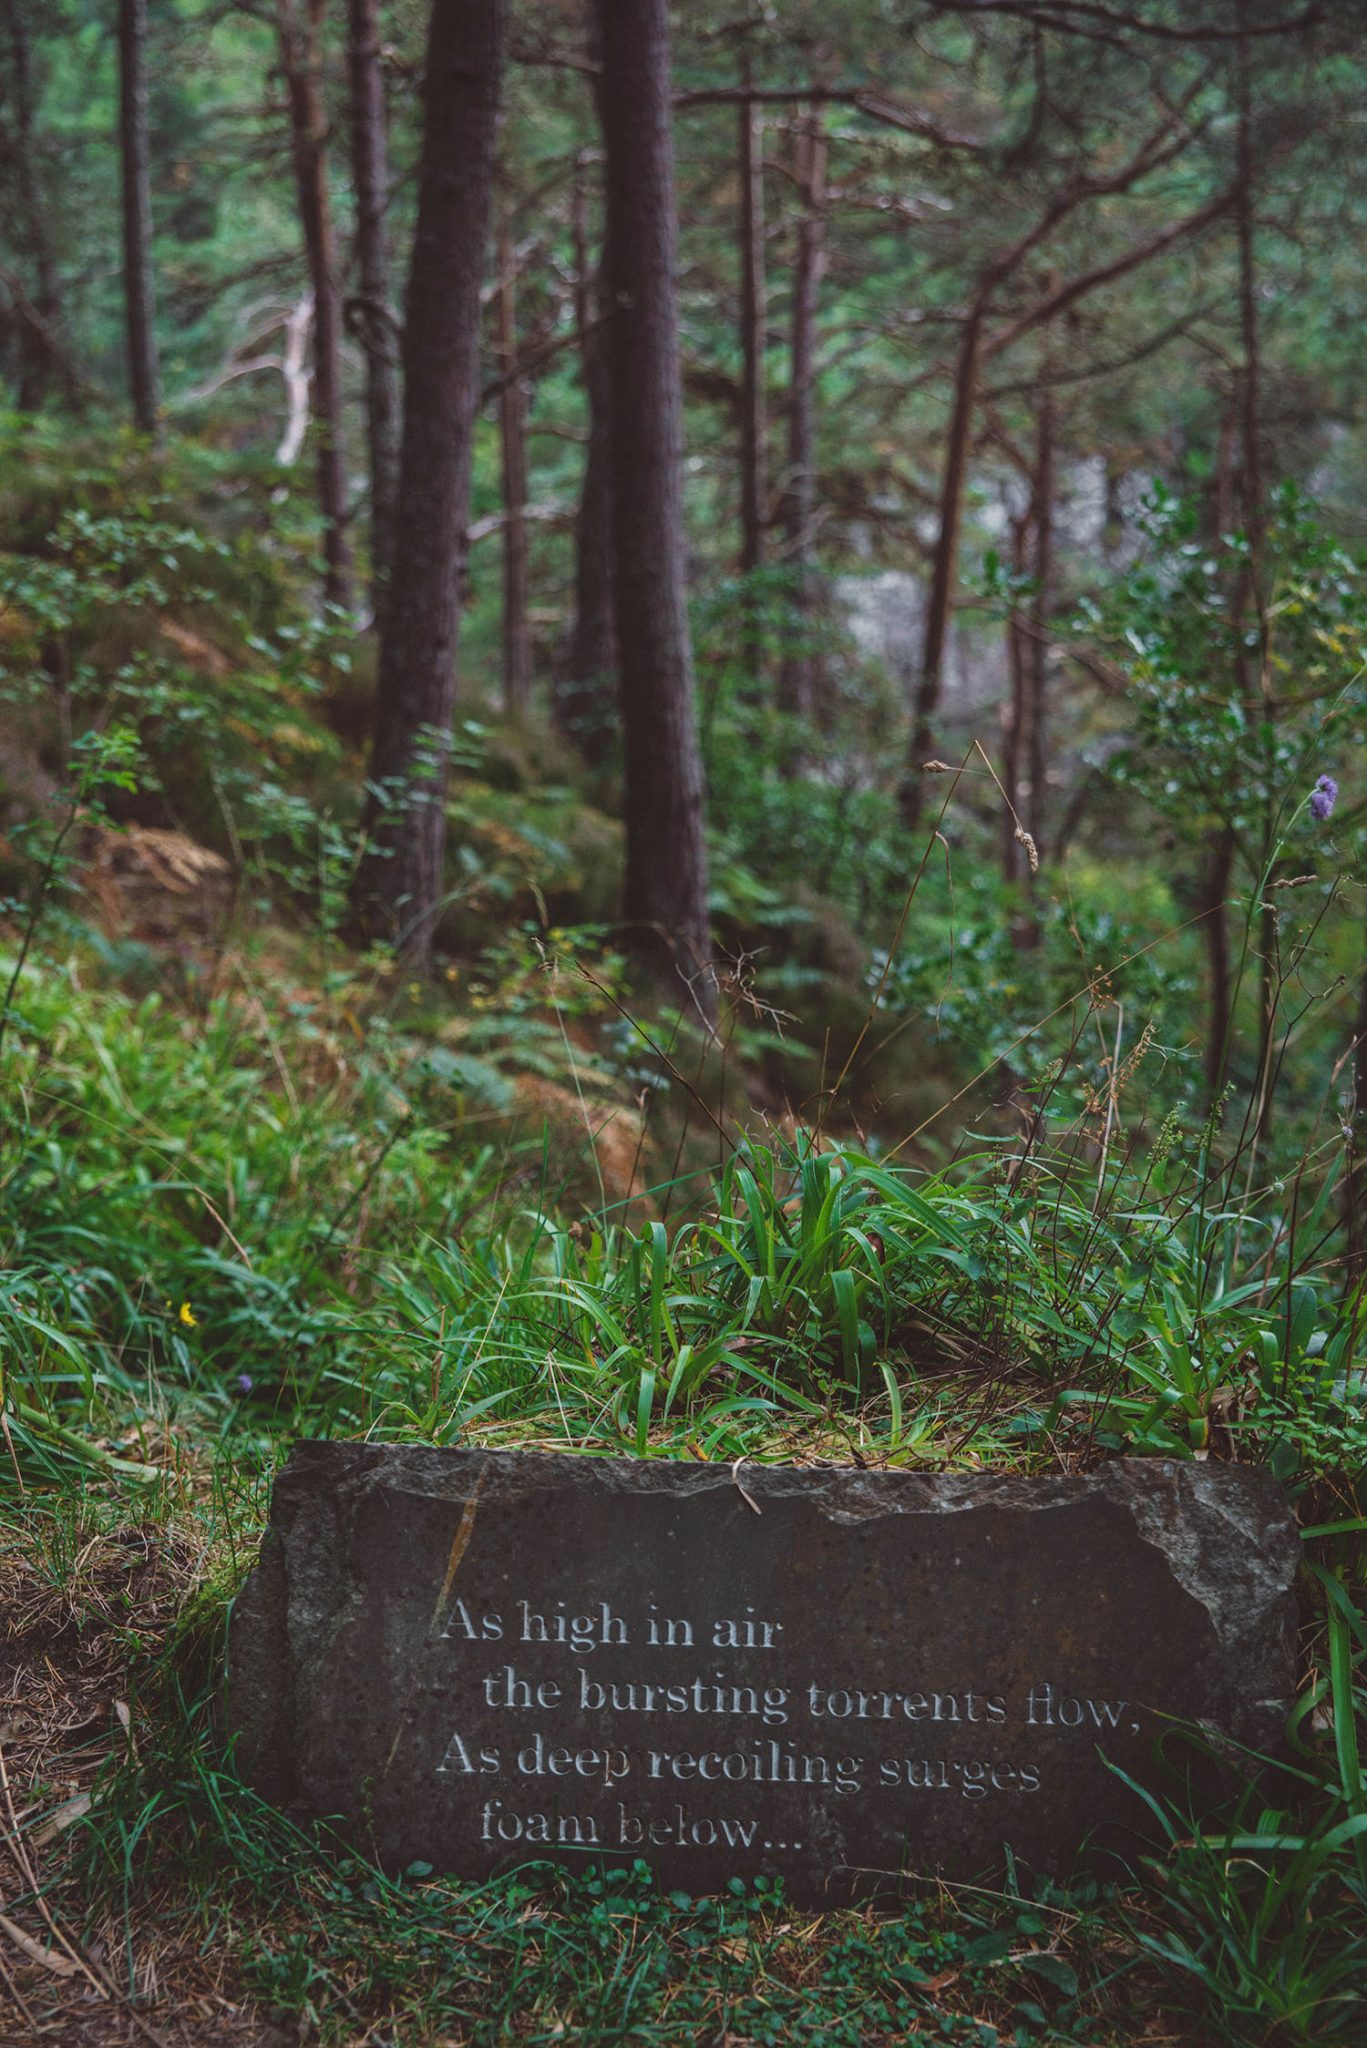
pixel 177 1304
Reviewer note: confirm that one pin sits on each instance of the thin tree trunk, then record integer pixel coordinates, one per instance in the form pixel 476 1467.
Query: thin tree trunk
pixel 1114 529
pixel 1251 381
pixel 399 882
pixel 1215 932
pixel 754 484
pixel 512 414
pixel 1041 612
pixel 797 677
pixel 35 359
pixel 136 163
pixel 1253 675
pixel 1223 491
pixel 586 702
pixel 666 861
pixel 944 567
pixel 974 346
pixel 375 314
pixel 1014 741
pixel 300 38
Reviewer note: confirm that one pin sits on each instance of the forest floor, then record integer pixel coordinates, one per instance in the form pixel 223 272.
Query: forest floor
pixel 255 1185
pixel 160 1904
pixel 266 1206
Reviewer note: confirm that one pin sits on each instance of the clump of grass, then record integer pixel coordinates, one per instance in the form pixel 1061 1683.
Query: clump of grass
pixel 819 1285
pixel 189 1200
pixel 168 1264
pixel 1258 1914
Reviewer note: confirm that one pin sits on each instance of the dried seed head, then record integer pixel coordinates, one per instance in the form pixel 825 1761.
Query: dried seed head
pixel 1031 850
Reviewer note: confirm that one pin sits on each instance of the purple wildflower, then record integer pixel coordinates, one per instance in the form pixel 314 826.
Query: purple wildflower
pixel 1323 797
pixel 244 1383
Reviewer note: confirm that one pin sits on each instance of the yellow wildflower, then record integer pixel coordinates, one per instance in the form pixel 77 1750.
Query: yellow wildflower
pixel 190 1321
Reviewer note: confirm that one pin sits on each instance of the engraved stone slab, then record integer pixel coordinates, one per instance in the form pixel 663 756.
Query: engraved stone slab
pixel 836 1676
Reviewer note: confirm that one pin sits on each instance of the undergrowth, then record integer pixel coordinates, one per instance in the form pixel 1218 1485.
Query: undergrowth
pixel 200 1258
pixel 254 1184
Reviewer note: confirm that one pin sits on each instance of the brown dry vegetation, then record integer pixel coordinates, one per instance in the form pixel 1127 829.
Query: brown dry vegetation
pixel 85 1618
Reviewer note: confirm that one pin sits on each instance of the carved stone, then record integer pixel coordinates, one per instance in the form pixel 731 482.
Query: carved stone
pixel 479 1657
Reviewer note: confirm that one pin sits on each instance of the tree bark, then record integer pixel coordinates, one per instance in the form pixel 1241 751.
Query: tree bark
pixel 666 861
pixel 512 414
pixel 1014 746
pixel 300 42
pixel 35 242
pixel 586 702
pixel 754 484
pixel 136 165
pixel 399 881
pixel 944 566
pixel 1222 489
pixel 1250 383
pixel 1041 612
pixel 1254 680
pixel 375 322
pixel 797 676
pixel 1215 931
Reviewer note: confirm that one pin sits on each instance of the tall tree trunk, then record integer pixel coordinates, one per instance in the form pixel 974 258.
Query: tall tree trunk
pixel 586 701
pixel 300 39
pixel 31 227
pixel 754 484
pixel 666 860
pixel 136 162
pixel 1014 747
pixel 512 415
pixel 797 676
pixel 399 881
pixel 374 314
pixel 1041 612
pixel 1222 487
pixel 1253 673
pixel 1250 391
pixel 944 567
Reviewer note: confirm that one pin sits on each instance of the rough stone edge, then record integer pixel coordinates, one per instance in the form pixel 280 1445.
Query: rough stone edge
pixel 258 1711
pixel 1235 1549
pixel 843 1492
